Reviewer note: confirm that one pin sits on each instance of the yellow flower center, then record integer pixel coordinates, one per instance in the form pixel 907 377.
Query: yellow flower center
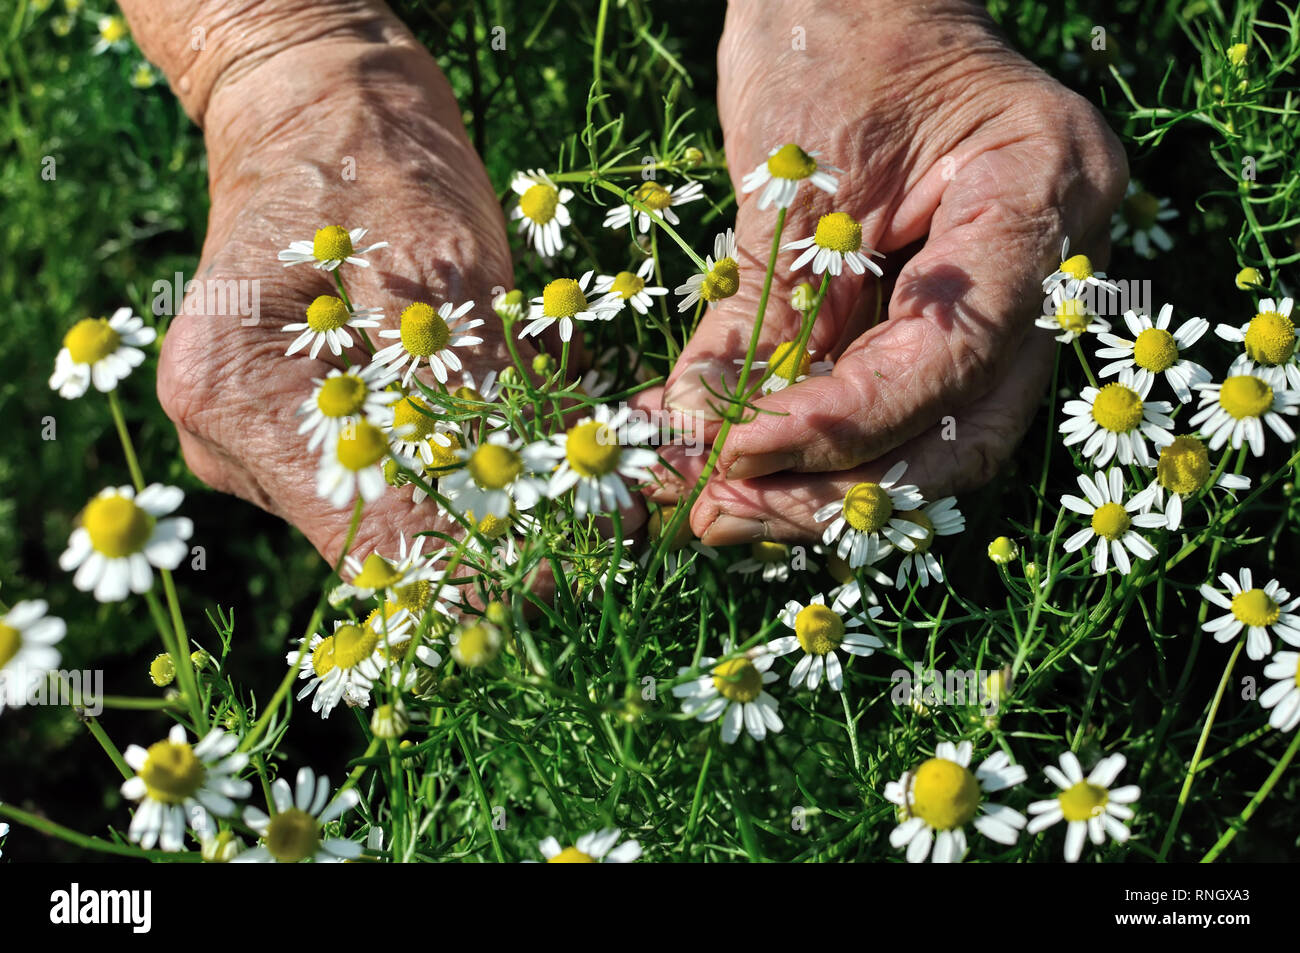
pixel 411 420
pixel 327 313
pixel 867 507
pixel 117 527
pixel 1245 396
pixel 593 449
pixel 171 772
pixel 1140 210
pixel 1072 315
pixel 768 552
pixel 332 243
pixel 162 670
pixel 341 396
pixel 540 202
pixel 1077 266
pixel 376 573
pixel 738 680
pixel 476 645
pixel 819 629
pixel 1155 350
pixel 571 855
pixel 1270 338
pixel 627 284
pixel 1117 408
pixel 495 467
pixel 1111 521
pixel 659 521
pixel 722 281
pixel 424 332
pixel 1248 278
pixel 788 363
pixel 11 640
pixel 920 519
pixel 415 596
pixel 112 29
pixel 322 657
pixel 445 457
pixel 563 298
pixel 838 232
pixel 91 340
pixel 791 162
pixel 1003 550
pixel 654 196
pixel 1237 55
pixel 353 644
pixel 292 836
pixel 1184 465
pixel 944 794
pixel 361 445
pixel 1254 607
pixel 1082 801
pixel 491 527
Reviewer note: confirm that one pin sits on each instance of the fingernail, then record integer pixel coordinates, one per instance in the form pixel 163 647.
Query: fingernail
pixel 759 464
pixel 733 530
pixel 698 388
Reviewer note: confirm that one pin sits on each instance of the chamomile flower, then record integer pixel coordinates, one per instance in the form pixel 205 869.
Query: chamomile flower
pixel 328 319
pixel 113 35
pixel 772 561
pixel 940 518
pixel 1283 696
pixel 102 351
pixel 594 460
pixel 658 198
pixel 1089 805
pixel 1112 521
pixel 499 538
pixel 353 464
pixel 858 520
pixel 1116 420
pixel 330 247
pixel 445 457
pixel 295 832
pixel 563 302
pixel 180 785
pixel 541 210
pixel 498 473
pixel 27 652
pixel 819 630
pixel 720 278
pixel 835 243
pixel 1270 344
pixel 733 690
pixel 429 336
pixel 1235 411
pixel 1075 275
pixel 1155 351
pixel 1184 469
pixel 629 288
pixel 598 847
pixel 342 666
pixel 1138 217
pixel 782 172
pixel 377 577
pixel 789 366
pixel 121 536
pixel 475 644
pixel 939 797
pixel 1255 610
pixel 417 434
pixel 1071 316
pixel 344 397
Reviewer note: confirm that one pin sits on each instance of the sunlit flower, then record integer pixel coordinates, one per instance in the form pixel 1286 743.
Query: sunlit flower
pixel 429 336
pixel 27 652
pixel 1183 469
pixel 720 278
pixel 328 319
pixel 340 667
pixel 1116 420
pixel 345 397
pixel 102 351
pixel 788 366
pixel 498 473
pixel 836 242
pixel 1235 411
pixel 330 247
pixel 1112 522
pixel 733 690
pixel 629 288
pixel 597 847
pixel 113 35
pixel 541 210
pixel 1155 351
pixel 564 301
pixel 295 832
pixel 940 518
pixel 657 198
pixel 1255 610
pixel 354 464
pixel 859 519
pixel 1270 344
pixel 1075 274
pixel 594 458
pixel 819 630
pixel 1090 806
pixel 782 172
pixel 1283 696
pixel 1071 316
pixel 772 561
pixel 378 577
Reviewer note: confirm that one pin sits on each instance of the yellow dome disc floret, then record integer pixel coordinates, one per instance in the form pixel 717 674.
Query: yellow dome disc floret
pixel 653 196
pixel 867 507
pixel 1155 350
pixel 332 243
pixel 791 162
pixel 738 680
pixel 292 836
pixel 1117 408
pixel 788 363
pixel 1072 315
pixel 1078 267
pixel 424 332
pixel 412 421
pixel 342 396
pixel 563 298
pixel 117 527
pixel 322 657
pixel 593 449
pixel 627 284
pixel 838 232
pixel 172 772
pixel 1245 396
pixel 1111 521
pixel 1270 339
pixel 819 629
pixel 444 458
pixel 353 644
pixel 376 573
pixel 539 203
pixel 91 340
pixel 1255 607
pixel 722 280
pixel 765 551
pixel 1184 465
pixel 944 794
pixel 571 855
pixel 361 445
pixel 495 467
pixel 490 527
pixel 1082 801
pixel 327 313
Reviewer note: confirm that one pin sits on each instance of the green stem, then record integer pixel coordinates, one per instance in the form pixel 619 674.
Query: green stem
pixel 115 406
pixel 1240 822
pixel 110 749
pixel 480 791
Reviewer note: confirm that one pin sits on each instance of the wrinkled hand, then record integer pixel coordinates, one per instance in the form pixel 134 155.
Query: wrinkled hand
pixel 947 138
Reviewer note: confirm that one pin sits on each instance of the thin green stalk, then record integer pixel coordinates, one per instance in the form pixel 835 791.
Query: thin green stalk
pixel 479 791
pixel 1240 821
pixel 110 749
pixel 115 406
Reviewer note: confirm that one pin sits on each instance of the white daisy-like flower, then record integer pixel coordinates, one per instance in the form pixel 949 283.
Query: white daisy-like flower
pixel 510 305
pixel 788 366
pixel 328 319
pixel 1139 216
pixel 1183 469
pixel 939 797
pixel 1116 421
pixel 344 397
pixel 121 536
pixel 1155 351
pixel 1283 696
pixel 598 847
pixel 1075 274
pixel 819 630
pixel 1111 521
pixel 1071 316
pixel 1255 610
pixel 340 667
pixel 499 538
pixel 940 518
pixel 4 832
pixel 498 472
pixel 444 455
pixel 418 434
pixel 563 302
pixel 295 832
pixel 377 577
pixel 113 35
pixel 330 247
pixel 720 278
pixel 850 589
pixel 353 464
pixel 836 242
pixel 658 198
pixel 858 520
pixel 733 690
pixel 1235 411
pixel 1270 344
pixel 595 456
pixel 429 336
pixel 27 652
pixel 1090 807
pixel 102 351
pixel 180 785
pixel 782 172
pixel 629 288
pixel 772 561
pixel 541 210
